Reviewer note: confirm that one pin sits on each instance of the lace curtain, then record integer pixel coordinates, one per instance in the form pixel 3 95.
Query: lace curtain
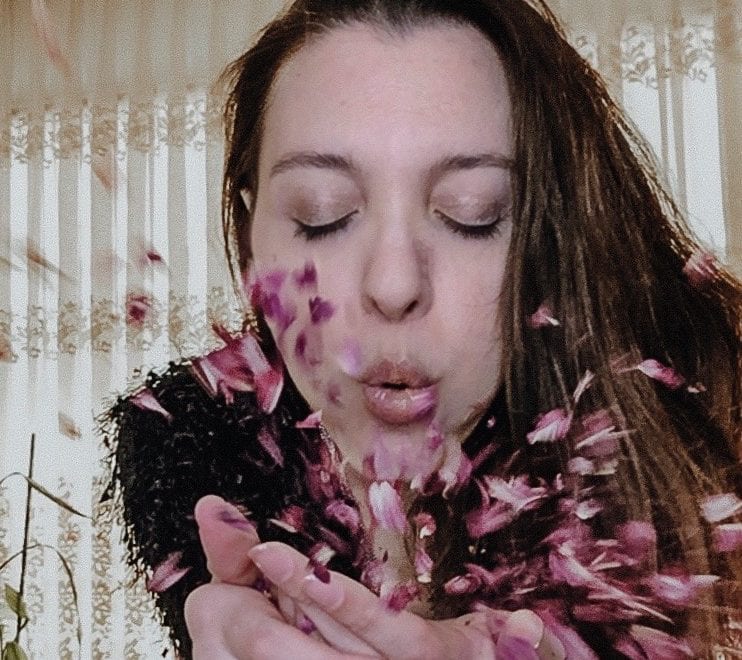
pixel 111 260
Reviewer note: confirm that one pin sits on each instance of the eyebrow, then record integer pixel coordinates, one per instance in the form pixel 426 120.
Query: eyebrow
pixel 339 163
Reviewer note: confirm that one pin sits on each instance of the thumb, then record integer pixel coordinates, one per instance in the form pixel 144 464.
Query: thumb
pixel 226 537
pixel 524 637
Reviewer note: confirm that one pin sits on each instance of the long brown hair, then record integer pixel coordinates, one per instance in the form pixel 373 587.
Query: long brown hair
pixel 595 234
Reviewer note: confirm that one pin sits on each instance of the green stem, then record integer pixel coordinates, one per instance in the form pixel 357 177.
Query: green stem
pixel 26 527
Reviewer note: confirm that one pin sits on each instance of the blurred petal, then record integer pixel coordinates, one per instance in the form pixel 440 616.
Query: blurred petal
pixel 386 506
pixel 167 573
pixel 717 507
pixel 550 426
pixel 396 597
pixel 138 307
pixel 423 566
pixel 542 317
pixel 68 427
pixel 268 442
pixel 320 310
pixel 345 514
pixel 305 278
pixel 583 385
pixel 727 538
pixel 700 267
pixel 425 524
pixel 350 358
pixel 659 645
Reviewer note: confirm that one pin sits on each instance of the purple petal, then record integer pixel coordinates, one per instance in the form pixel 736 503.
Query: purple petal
pixel 727 538
pixel 166 573
pixel 717 507
pixel 350 358
pixel 145 400
pixel 679 590
pixel 515 648
pixel 305 278
pixel 320 310
pixel 305 624
pixel 638 539
pixel 588 509
pixel 386 506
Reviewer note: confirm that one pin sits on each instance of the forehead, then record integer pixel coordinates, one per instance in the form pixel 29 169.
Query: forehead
pixel 357 88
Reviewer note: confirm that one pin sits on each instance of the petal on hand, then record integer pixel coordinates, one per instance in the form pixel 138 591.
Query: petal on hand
pixel 397 596
pixel 386 506
pixel 167 573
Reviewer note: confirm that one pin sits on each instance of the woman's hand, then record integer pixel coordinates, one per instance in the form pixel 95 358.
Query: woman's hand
pixel 348 607
pixel 227 619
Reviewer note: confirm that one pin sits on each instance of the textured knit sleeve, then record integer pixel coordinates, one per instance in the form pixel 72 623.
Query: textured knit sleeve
pixel 171 443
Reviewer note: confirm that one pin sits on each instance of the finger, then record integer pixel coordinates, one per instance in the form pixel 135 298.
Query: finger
pixel 524 636
pixel 334 633
pixel 226 537
pixel 349 603
pixel 228 622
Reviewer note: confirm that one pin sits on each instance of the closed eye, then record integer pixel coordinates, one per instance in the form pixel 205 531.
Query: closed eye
pixel 314 232
pixel 487 226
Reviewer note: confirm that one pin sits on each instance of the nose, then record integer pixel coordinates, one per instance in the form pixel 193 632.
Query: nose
pixel 396 281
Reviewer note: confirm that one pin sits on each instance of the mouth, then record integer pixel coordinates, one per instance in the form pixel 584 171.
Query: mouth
pixel 399 393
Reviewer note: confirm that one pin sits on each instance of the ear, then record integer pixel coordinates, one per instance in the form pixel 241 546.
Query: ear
pixel 247 199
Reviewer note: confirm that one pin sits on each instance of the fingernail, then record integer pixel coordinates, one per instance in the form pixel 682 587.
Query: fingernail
pixel 233 518
pixel 328 595
pixel 273 564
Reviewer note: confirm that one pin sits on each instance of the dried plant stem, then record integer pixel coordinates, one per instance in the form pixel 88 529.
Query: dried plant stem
pixel 26 526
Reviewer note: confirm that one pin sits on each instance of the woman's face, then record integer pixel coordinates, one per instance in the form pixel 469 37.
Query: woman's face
pixel 385 165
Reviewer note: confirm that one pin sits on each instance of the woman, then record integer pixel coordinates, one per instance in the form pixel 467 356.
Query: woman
pixel 528 375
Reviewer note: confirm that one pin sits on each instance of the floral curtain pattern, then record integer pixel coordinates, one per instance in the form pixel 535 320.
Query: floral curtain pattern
pixel 111 261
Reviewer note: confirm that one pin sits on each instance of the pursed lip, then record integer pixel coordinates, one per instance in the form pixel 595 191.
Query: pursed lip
pixel 398 392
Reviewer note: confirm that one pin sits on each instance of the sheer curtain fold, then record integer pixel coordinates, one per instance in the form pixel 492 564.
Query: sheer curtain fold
pixel 111 257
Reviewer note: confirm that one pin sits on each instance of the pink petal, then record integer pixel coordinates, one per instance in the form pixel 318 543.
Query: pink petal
pixel 320 310
pixel 145 400
pixel 45 28
pixel 581 466
pixel 542 317
pixel 550 427
pixel 306 278
pixel 574 646
pixel 167 573
pixel 659 645
pixel 491 422
pixel 386 506
pixel 727 538
pixel 516 492
pixel 700 267
pixel 717 507
pixel 488 519
pixel 423 566
pixel 638 539
pixel 425 524
pixel 345 514
pixel 398 596
pixel 313 421
pixel 659 372
pixel 515 648
pixel 462 585
pixel 268 442
pixel 456 468
pixel 588 509
pixel 679 590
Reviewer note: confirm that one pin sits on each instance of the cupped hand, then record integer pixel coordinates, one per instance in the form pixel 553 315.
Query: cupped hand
pixel 345 607
pixel 228 619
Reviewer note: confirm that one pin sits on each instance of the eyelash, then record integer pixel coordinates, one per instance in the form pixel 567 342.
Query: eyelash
pixel 318 232
pixel 479 231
